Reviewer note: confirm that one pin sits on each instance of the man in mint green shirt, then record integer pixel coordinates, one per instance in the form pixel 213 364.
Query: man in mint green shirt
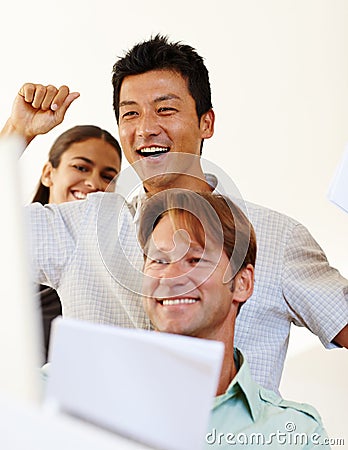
pixel 199 252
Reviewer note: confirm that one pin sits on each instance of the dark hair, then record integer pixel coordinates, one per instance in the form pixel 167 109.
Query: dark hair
pixel 203 215
pixel 79 133
pixel 159 54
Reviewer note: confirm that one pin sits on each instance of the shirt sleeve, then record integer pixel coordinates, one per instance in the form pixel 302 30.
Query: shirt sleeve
pixel 315 292
pixel 318 439
pixel 52 232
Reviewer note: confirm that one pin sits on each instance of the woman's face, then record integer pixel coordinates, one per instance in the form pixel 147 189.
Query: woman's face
pixel 87 166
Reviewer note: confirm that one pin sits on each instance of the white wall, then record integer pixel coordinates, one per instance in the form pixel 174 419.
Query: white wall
pixel 279 72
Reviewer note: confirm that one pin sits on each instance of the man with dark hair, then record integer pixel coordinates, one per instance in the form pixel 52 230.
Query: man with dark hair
pixel 163 107
pixel 159 54
pixel 195 281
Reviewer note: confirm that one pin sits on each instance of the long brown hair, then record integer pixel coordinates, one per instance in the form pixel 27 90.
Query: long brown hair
pixel 78 133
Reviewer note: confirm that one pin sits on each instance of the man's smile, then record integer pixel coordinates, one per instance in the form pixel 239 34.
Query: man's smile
pixel 154 151
pixel 178 301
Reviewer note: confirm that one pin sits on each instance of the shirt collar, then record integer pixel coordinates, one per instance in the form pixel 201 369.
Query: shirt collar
pixel 135 203
pixel 242 383
pixel 138 199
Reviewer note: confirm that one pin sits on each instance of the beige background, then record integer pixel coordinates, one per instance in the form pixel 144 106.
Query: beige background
pixel 279 72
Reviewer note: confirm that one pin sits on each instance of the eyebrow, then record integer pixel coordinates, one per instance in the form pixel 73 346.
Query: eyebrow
pixel 89 161
pixel 161 249
pixel 162 98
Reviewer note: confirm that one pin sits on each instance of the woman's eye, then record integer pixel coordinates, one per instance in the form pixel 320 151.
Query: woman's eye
pixel 108 178
pixel 80 168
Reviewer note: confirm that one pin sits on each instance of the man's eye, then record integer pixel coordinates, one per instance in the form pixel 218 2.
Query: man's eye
pixel 156 262
pixel 166 109
pixel 129 114
pixel 160 261
pixel 194 260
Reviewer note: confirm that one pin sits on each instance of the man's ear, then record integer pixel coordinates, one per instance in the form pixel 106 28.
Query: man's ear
pixel 207 124
pixel 243 284
pixel 46 175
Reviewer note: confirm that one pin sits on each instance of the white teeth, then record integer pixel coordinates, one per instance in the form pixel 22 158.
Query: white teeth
pixel 154 149
pixel 179 301
pixel 80 195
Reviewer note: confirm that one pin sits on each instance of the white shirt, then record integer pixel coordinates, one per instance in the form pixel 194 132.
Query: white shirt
pixel 88 252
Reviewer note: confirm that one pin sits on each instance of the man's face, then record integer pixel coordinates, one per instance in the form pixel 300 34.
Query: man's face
pixel 184 290
pixel 158 121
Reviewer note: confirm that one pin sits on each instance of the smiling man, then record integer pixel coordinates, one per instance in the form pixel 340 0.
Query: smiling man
pixel 181 272
pixel 162 103
pixel 157 116
pixel 90 253
pixel 195 281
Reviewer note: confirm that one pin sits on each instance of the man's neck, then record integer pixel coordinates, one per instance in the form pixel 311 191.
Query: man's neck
pixel 228 370
pixel 189 182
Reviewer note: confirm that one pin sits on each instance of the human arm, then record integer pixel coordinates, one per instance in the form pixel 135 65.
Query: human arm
pixel 341 338
pixel 37 109
pixel 53 232
pixel 316 293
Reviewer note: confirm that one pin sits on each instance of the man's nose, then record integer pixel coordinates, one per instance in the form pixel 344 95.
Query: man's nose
pixel 173 274
pixel 148 125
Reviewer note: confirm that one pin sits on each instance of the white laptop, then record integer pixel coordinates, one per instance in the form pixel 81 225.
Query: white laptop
pixel 24 422
pixel 154 388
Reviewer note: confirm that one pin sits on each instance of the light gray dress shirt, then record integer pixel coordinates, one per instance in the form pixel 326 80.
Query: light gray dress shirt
pixel 89 253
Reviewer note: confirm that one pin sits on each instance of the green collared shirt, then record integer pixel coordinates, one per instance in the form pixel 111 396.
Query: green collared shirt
pixel 249 416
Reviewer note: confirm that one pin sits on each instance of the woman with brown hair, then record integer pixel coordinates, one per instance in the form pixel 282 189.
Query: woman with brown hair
pixel 82 160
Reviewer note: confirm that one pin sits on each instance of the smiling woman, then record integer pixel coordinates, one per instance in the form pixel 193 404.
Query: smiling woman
pixel 82 160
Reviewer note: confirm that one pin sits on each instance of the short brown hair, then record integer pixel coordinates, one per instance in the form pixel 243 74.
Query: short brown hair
pixel 202 215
